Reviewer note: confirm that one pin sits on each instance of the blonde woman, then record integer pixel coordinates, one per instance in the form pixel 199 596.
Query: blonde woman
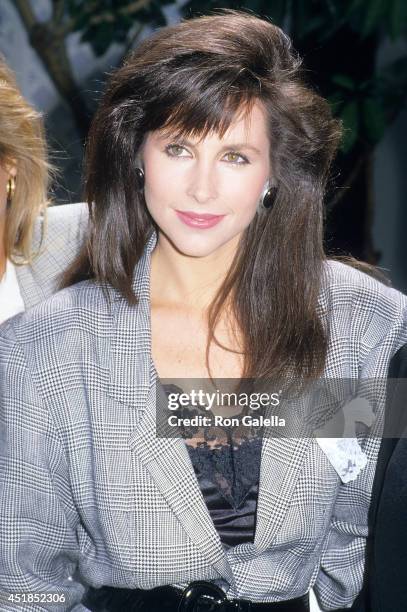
pixel 29 264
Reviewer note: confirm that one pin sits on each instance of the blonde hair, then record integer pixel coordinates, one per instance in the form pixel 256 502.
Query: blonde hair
pixel 22 143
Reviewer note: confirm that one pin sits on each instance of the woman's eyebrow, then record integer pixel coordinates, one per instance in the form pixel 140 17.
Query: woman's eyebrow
pixel 238 145
pixel 241 145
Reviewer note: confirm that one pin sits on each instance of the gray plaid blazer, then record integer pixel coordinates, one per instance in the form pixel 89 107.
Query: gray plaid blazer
pixel 89 495
pixel 65 229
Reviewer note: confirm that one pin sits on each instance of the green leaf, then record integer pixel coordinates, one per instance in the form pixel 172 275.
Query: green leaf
pixel 301 14
pixel 375 10
pixel 344 81
pixel 391 86
pixel 365 85
pixel 276 10
pixel 254 5
pixel 396 18
pixel 355 5
pixel 374 119
pixel 314 24
pixel 350 120
pixel 194 8
pixel 100 37
pixel 157 16
pixel 336 101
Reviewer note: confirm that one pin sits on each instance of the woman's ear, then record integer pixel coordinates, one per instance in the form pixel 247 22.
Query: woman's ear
pixel 267 186
pixel 10 167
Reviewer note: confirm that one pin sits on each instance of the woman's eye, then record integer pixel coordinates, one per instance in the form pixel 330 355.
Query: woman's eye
pixel 174 150
pixel 236 158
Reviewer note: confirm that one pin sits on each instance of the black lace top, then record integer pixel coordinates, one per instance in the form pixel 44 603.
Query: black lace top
pixel 228 476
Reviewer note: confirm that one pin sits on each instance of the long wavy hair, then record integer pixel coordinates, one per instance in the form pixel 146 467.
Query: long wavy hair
pixel 22 143
pixel 193 77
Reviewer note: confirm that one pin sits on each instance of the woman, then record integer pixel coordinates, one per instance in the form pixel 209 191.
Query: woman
pixel 31 258
pixel 205 174
pixel 23 186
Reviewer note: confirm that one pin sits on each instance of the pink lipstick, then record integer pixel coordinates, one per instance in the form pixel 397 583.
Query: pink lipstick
pixel 201 220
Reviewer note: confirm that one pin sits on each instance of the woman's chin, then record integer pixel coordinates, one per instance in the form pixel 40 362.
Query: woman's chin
pixel 196 250
pixel 195 245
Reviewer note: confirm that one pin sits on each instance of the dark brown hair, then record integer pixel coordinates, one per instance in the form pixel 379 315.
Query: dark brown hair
pixel 193 77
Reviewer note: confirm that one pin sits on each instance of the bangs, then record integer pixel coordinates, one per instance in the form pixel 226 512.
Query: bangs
pixel 197 99
pixel 199 122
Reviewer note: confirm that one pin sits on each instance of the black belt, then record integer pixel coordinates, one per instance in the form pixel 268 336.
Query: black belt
pixel 199 596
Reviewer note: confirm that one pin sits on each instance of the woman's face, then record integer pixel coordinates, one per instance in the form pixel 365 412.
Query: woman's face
pixel 216 176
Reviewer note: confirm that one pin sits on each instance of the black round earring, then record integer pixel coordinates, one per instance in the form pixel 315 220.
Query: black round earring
pixel 269 197
pixel 140 178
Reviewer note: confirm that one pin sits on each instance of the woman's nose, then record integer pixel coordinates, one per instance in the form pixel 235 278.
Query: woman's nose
pixel 202 185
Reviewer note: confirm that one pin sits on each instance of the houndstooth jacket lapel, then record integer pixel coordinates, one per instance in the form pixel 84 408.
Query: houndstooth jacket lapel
pixel 133 381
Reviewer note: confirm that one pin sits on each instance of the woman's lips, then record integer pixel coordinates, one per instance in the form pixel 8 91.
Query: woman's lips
pixel 202 221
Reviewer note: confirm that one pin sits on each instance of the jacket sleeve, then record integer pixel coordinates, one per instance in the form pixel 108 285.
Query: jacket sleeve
pixel 38 545
pixel 56 241
pixel 342 563
pixel 341 569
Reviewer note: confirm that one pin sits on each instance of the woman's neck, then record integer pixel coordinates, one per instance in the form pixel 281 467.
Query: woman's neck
pixel 191 282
